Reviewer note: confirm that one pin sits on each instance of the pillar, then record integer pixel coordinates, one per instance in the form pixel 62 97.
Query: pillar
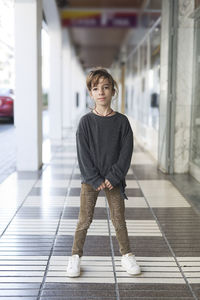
pixel 167 86
pixel 55 80
pixel 66 80
pixel 176 86
pixel 123 88
pixel 28 87
pixel 184 86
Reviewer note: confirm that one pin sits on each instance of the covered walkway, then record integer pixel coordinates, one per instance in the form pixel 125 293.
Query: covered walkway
pixel 152 51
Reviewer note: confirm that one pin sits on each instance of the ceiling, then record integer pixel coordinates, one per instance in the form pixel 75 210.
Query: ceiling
pixel 101 46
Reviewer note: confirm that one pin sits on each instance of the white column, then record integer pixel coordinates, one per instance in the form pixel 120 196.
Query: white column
pixel 184 89
pixel 66 80
pixel 28 103
pixel 55 89
pixel 176 86
pixel 164 86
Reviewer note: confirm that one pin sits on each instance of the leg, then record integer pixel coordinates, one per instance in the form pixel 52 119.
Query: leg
pixel 117 210
pixel 88 200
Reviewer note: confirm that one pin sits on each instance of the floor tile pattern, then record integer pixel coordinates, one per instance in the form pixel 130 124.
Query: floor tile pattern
pixel 39 212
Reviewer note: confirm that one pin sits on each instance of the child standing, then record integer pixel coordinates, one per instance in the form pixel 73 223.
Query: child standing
pixel 104 141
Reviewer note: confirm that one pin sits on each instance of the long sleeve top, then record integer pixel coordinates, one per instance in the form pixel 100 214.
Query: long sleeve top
pixel 104 149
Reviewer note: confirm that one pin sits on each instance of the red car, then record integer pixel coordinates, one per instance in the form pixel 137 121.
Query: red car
pixel 6 103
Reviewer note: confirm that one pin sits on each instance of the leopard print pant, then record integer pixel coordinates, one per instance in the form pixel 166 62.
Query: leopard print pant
pixel 88 200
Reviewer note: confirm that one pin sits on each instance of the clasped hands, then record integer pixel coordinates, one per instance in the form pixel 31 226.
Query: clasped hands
pixel 105 184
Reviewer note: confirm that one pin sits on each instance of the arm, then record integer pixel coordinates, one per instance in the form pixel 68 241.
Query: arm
pixel 88 170
pixel 119 169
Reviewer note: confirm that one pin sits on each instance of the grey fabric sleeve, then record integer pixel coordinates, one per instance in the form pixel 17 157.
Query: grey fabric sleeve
pixel 88 170
pixel 119 169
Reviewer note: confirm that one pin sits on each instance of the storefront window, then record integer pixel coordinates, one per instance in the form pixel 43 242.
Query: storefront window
pixel 135 64
pixel 154 77
pixel 195 134
pixel 143 56
pixel 143 80
pixel 195 145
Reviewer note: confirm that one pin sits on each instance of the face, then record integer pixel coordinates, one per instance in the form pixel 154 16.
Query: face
pixel 102 93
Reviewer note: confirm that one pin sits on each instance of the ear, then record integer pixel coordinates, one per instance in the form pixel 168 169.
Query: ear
pixel 113 92
pixel 90 93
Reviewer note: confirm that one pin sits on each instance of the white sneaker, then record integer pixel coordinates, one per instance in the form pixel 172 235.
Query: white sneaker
pixel 129 263
pixel 73 268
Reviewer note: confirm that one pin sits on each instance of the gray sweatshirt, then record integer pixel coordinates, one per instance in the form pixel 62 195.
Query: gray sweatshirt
pixel 104 149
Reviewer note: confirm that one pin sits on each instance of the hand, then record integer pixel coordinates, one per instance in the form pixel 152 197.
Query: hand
pixel 108 184
pixel 101 187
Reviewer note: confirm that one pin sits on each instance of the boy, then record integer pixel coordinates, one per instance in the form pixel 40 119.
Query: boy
pixel 104 148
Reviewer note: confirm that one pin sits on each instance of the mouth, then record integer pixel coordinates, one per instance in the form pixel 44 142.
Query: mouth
pixel 101 98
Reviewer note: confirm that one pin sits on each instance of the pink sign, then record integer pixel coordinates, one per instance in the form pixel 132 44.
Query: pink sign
pixel 101 20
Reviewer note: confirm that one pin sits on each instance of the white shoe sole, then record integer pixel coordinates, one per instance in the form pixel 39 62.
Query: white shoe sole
pixel 73 274
pixel 131 273
pixel 136 273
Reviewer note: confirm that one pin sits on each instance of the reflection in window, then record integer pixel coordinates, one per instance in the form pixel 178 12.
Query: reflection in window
pixel 77 99
pixel 195 128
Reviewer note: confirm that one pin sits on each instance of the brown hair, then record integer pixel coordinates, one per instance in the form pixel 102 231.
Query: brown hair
pixel 94 76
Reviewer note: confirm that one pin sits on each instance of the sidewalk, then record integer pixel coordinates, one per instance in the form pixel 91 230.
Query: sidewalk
pixel 39 212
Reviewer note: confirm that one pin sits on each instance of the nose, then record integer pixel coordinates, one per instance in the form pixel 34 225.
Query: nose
pixel 101 91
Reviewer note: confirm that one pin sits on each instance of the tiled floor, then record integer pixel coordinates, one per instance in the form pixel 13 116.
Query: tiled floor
pixel 39 212
pixel 7 150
